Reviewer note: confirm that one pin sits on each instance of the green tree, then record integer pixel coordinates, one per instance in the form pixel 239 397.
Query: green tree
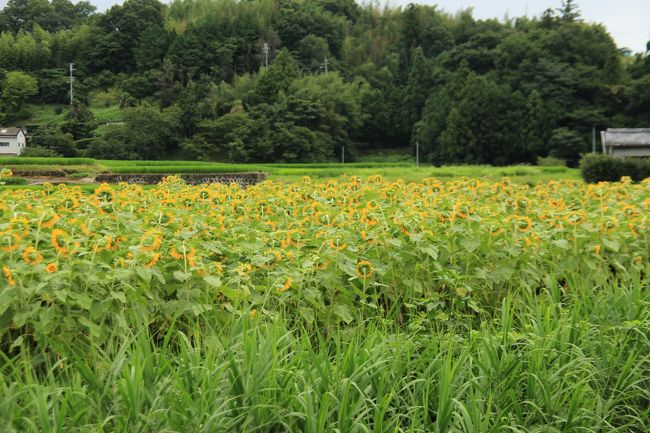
pixel 52 138
pixel 485 126
pixel 311 52
pixel 536 126
pixel 230 135
pixel 115 143
pixel 17 89
pixel 418 88
pixel 79 122
pixel 569 11
pixel 119 31
pixel 153 133
pixel 567 145
pixel 276 78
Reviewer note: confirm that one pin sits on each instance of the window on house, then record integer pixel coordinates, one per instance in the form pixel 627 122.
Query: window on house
pixel 4 144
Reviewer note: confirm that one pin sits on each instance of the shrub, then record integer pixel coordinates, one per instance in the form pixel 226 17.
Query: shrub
pixel 13 181
pixel 598 168
pixel 567 145
pixel 550 161
pixel 37 151
pixel 106 98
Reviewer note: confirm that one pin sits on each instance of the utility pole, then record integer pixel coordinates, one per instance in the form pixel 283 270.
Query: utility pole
pixel 593 139
pixel 342 154
pixel 71 81
pixel 325 65
pixel 417 153
pixel 265 51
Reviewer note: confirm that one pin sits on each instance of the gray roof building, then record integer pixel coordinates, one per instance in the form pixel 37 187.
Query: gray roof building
pixel 12 141
pixel 10 132
pixel 626 142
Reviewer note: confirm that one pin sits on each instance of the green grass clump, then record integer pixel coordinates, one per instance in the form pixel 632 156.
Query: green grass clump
pixel 17 160
pixel 108 114
pixel 575 361
pixel 294 172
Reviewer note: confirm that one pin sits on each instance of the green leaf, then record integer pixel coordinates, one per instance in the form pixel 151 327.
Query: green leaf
pixel 441 315
pixel 94 329
pixel 234 294
pixel 144 273
pixel 561 243
pixel 82 300
pixel 120 296
pixel 182 276
pixel 307 314
pixel 431 251
pixel 198 309
pixel 17 342
pixel 46 317
pixel 343 312
pixel 612 244
pixel 504 272
pixel 159 276
pixel 470 244
pixel 394 241
pixel 213 281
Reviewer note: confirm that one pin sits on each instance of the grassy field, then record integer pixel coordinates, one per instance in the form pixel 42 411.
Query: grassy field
pixel 341 305
pixel 294 172
pixel 47 113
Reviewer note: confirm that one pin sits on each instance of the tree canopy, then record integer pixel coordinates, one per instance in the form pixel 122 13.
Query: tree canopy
pixel 338 74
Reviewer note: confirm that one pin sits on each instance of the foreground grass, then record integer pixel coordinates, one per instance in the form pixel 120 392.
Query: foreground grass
pixel 561 361
pixel 462 306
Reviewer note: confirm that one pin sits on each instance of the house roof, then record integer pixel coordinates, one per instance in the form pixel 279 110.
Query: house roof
pixel 627 137
pixel 9 132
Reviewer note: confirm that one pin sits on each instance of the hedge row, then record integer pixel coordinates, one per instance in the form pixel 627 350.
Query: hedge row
pixel 604 168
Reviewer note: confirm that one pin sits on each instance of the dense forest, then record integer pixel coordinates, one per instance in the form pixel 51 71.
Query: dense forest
pixel 193 80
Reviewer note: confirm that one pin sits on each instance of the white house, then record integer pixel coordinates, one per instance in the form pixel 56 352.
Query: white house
pixel 626 142
pixel 12 141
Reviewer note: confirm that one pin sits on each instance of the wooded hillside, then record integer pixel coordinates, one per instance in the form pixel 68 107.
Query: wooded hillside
pixel 191 80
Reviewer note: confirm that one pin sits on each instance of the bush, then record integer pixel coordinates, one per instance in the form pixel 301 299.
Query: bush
pixel 13 181
pixel 604 168
pixel 550 161
pixel 52 138
pixel 567 145
pixel 106 98
pixel 37 151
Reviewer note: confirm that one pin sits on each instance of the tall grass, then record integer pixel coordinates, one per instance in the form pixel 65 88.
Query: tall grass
pixel 555 362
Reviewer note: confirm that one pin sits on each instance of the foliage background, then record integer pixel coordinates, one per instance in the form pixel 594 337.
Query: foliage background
pixel 187 80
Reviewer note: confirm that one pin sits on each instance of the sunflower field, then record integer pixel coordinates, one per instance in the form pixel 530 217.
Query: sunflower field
pixel 344 305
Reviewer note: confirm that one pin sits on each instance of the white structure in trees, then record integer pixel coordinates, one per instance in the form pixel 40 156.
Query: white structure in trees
pixel 626 142
pixel 12 141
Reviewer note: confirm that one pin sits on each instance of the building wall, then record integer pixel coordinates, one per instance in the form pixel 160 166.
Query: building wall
pixel 12 145
pixel 630 151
